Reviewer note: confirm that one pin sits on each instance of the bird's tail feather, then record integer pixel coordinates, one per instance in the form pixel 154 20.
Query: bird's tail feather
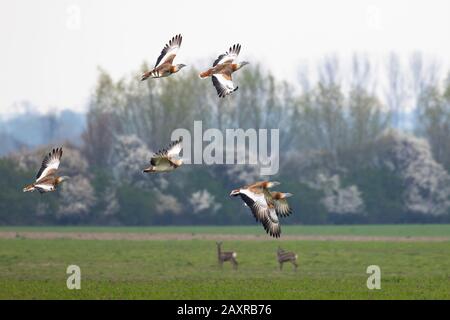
pixel 149 169
pixel 28 188
pixel 148 74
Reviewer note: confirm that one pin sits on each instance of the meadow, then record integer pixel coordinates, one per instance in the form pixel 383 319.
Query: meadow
pixel 188 269
pixel 403 230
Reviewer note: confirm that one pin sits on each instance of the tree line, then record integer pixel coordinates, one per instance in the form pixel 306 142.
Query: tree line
pixel 348 152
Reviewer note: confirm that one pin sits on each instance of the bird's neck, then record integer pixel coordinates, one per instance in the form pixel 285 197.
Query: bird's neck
pixel 175 68
pixel 237 66
pixel 59 180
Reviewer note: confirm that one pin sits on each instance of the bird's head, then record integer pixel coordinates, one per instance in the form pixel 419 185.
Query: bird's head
pixel 243 63
pixel 180 66
pixel 235 193
pixel 60 180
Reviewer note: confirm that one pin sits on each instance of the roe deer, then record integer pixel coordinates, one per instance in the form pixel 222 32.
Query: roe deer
pixel 226 256
pixel 285 256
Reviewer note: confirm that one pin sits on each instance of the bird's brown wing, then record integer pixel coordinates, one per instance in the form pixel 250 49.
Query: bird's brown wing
pixel 282 207
pixel 280 202
pixel 46 183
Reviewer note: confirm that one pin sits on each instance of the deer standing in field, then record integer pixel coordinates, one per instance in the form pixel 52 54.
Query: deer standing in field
pixel 285 256
pixel 226 256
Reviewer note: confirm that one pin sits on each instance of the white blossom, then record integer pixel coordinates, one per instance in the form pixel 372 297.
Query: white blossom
pixel 244 173
pixel 203 200
pixel 112 205
pixel 427 184
pixel 73 162
pixel 42 209
pixel 128 158
pixel 76 197
pixel 337 199
pixel 167 203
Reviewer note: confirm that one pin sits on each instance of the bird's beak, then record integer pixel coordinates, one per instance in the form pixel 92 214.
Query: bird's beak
pixel 234 193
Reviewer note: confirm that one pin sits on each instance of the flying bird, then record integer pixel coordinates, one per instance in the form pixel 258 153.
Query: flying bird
pixel 265 205
pixel 167 159
pixel 46 178
pixel 222 69
pixel 164 66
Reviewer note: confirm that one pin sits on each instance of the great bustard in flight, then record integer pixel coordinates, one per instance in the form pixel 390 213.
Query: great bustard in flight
pixel 46 178
pixel 265 205
pixel 222 69
pixel 164 66
pixel 167 159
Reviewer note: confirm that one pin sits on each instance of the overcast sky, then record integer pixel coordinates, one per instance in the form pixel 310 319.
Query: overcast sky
pixel 50 49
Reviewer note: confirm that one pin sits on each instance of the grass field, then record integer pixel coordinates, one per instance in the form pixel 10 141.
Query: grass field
pixel 411 230
pixel 171 269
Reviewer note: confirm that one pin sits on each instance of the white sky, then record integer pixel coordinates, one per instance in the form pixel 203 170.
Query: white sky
pixel 50 58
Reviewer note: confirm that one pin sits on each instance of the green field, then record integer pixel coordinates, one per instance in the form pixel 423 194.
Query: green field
pixel 111 269
pixel 411 230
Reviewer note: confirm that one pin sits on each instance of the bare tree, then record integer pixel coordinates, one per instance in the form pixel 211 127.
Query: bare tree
pixel 424 74
pixel 395 93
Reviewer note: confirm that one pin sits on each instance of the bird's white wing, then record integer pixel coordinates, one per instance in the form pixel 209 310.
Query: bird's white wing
pixel 175 148
pixel 164 158
pixel 224 84
pixel 170 51
pixel 272 224
pixel 229 56
pixel 50 164
pixel 256 202
pixel 42 188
